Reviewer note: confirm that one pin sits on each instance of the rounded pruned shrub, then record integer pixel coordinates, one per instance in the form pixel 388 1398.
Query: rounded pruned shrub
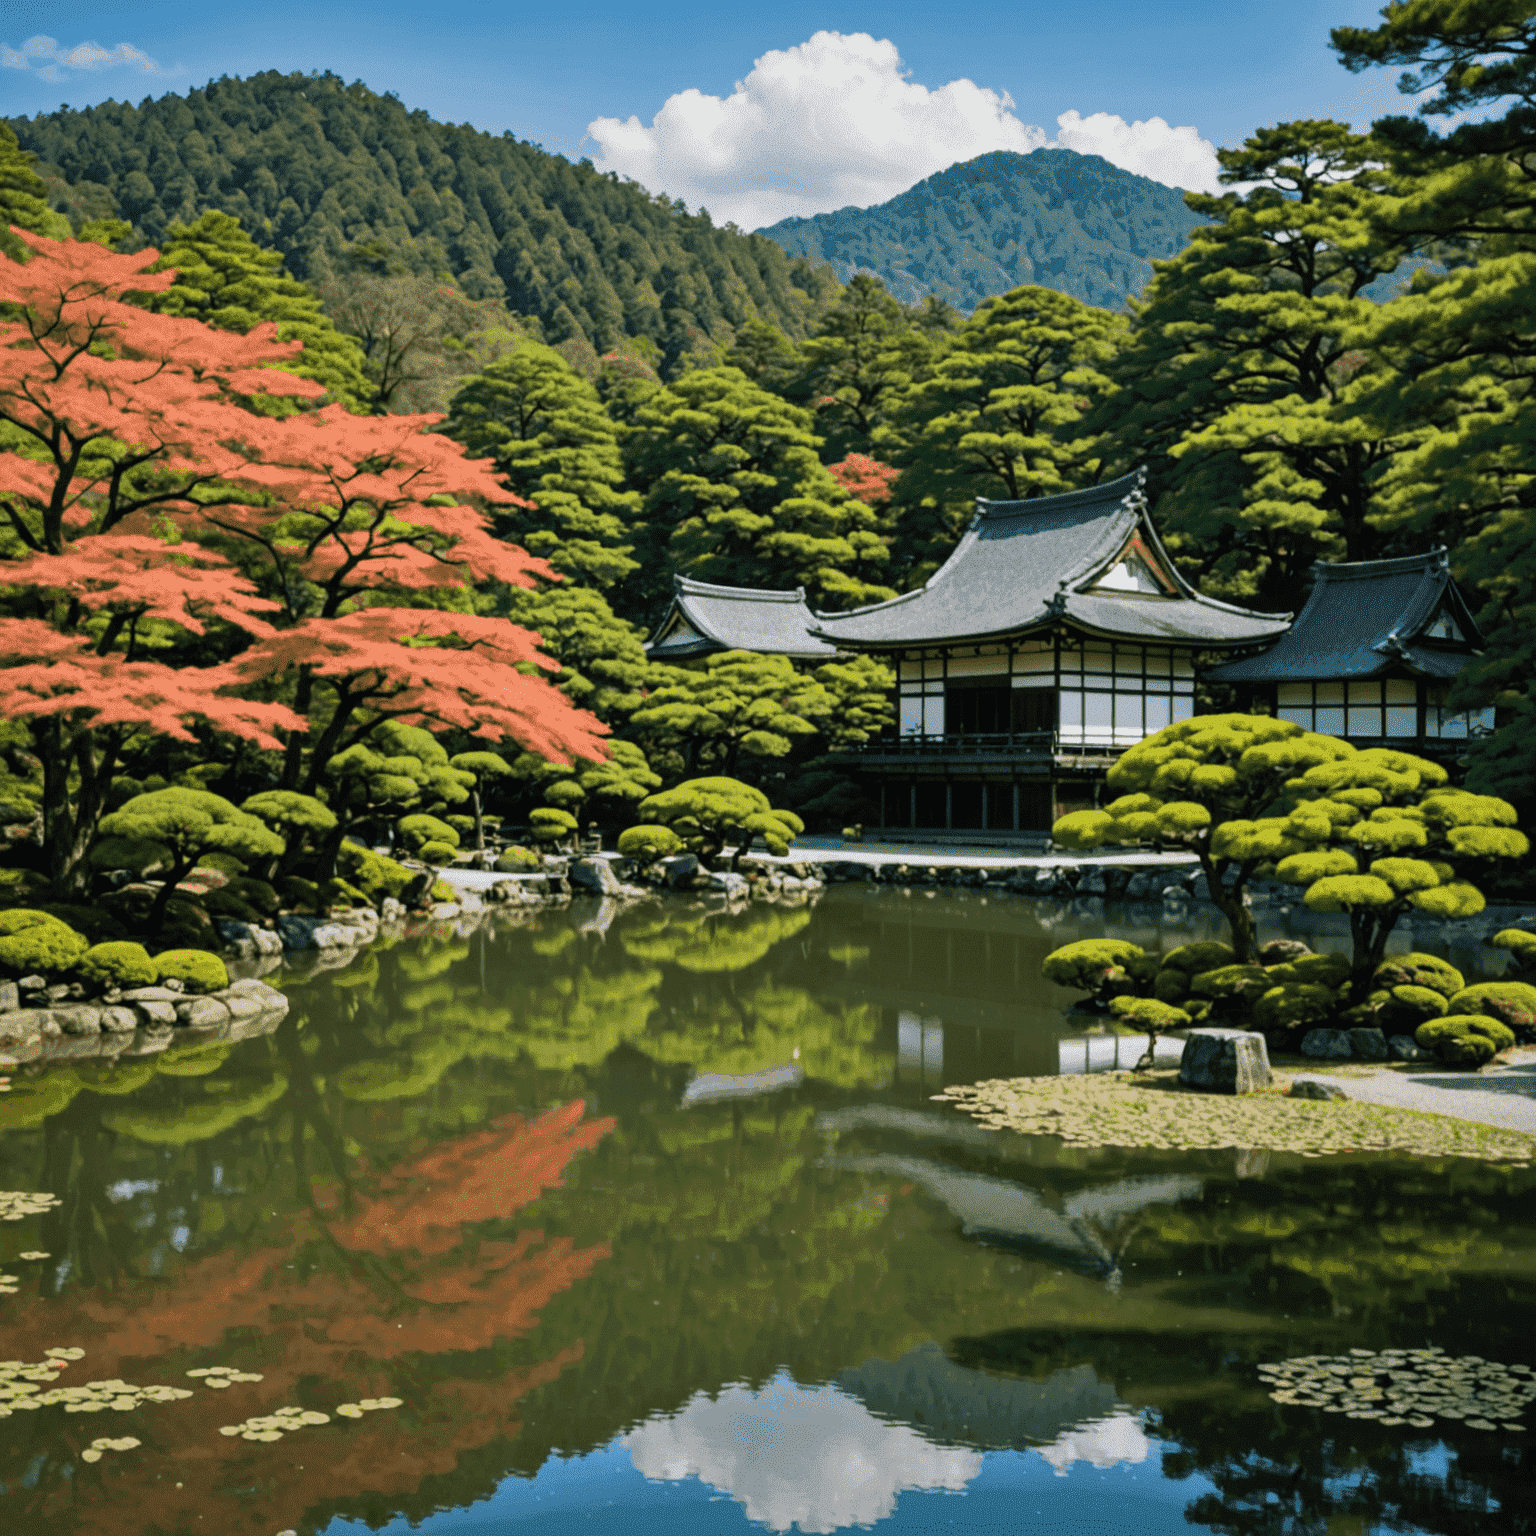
pixel 1295 1005
pixel 196 969
pixel 1233 985
pixel 37 943
pixel 1511 1002
pixel 515 859
pixel 121 964
pixel 647 843
pixel 1408 1007
pixel 1416 970
pixel 1202 955
pixel 1085 964
pixel 1464 1040
pixel 420 832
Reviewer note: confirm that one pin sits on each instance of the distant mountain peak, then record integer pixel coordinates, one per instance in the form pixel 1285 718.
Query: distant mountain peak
pixel 1067 221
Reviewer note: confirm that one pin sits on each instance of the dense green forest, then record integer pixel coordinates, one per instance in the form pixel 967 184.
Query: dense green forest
pixel 340 179
pixel 838 442
pixel 1063 220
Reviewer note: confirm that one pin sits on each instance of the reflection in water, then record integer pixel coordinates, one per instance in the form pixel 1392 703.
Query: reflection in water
pixel 810 1457
pixel 675 1177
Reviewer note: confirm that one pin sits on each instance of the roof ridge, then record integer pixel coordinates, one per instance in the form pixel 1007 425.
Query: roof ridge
pixel 1397 565
pixel 1108 490
pixel 687 585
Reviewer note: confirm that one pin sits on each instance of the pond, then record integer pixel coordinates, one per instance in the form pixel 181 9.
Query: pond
pixel 646 1221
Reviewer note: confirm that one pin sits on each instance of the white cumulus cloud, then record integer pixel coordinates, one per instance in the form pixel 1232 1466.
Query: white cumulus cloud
pixel 836 121
pixel 1110 1442
pixel 810 1457
pixel 53 61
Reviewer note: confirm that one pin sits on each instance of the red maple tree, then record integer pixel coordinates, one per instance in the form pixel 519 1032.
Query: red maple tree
pixel 144 491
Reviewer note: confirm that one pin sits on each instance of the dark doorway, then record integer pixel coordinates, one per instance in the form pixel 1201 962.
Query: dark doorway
pixel 967 805
pixel 1035 807
pixel 999 807
pixel 1034 709
pixel 898 802
pixel 931 802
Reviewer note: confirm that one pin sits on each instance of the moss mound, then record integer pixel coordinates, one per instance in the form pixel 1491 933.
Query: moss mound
pixel 35 943
pixel 196 969
pixel 1464 1040
pixel 1415 970
pixel 1205 955
pixel 1086 964
pixel 117 965
pixel 375 874
pixel 1408 1007
pixel 1232 985
pixel 1294 1005
pixel 516 860
pixel 1511 1002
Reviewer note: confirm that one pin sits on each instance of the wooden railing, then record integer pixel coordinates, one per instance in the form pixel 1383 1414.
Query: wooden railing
pixel 983 744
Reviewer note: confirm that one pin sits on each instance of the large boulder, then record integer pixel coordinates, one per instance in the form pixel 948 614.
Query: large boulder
pixel 1367 1045
pixel 1224 1061
pixel 1327 1044
pixel 594 876
pixel 678 870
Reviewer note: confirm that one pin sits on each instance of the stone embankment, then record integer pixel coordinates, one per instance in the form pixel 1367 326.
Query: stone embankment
pixel 1114 882
pixel 38 1021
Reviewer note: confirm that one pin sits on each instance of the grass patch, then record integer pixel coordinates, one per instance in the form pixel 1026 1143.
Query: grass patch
pixel 1149 1109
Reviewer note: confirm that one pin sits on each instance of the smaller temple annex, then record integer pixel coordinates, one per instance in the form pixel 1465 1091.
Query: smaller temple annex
pixel 1059 632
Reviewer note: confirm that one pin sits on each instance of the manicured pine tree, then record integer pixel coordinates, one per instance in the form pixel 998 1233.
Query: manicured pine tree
pixel 555 447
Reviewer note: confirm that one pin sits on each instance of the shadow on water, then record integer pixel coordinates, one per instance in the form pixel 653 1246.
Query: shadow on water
pixel 635 1215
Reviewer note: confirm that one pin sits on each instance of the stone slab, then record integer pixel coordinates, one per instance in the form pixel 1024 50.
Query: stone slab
pixel 1224 1061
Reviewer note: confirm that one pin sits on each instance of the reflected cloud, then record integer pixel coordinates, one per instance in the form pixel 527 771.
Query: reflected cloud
pixel 812 1458
pixel 1116 1441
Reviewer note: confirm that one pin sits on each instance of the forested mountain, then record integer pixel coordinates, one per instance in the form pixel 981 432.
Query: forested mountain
pixel 339 178
pixel 1066 221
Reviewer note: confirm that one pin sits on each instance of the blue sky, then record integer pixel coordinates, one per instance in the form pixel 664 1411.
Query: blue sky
pixel 1217 67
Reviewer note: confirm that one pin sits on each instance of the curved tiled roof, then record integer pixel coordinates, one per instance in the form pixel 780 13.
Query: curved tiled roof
pixel 1028 563
pixel 1366 618
pixel 703 619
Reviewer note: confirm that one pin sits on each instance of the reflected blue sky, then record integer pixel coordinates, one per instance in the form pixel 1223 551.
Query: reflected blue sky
pixel 815 1460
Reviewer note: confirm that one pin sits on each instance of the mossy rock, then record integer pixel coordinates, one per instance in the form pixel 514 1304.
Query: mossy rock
pixel 1312 971
pixel 1283 952
pixel 1232 985
pixel 1416 970
pixel 196 969
pixel 1203 955
pixel 1464 1040
pixel 1511 1002
pixel 1520 944
pixel 1408 1007
pixel 35 943
pixel 516 860
pixel 1295 1005
pixel 342 893
pixel 1170 985
pixel 299 894
pixel 255 893
pixel 224 903
pixel 96 924
pixel 1149 1013
pixel 119 964
pixel 375 874
pixel 1087 964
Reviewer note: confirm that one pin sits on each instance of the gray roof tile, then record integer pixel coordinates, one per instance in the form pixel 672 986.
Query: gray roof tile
pixel 736 619
pixel 1366 618
pixel 1023 564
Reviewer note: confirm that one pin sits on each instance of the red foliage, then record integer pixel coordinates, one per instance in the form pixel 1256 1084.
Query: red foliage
pixel 866 479
pixel 44 674
pixel 133 423
pixel 430 668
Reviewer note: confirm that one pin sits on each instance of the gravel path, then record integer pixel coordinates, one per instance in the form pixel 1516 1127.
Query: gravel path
pixel 1504 1096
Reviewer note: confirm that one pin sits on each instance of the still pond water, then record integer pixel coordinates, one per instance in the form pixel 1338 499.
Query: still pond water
pixel 513 1181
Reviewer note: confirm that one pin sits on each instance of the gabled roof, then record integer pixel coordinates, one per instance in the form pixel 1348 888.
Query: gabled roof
pixel 1023 564
pixel 1367 618
pixel 703 619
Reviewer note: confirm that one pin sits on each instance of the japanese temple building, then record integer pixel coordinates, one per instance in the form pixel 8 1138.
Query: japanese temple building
pixel 703 619
pixel 1057 634
pixel 1060 632
pixel 1372 656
